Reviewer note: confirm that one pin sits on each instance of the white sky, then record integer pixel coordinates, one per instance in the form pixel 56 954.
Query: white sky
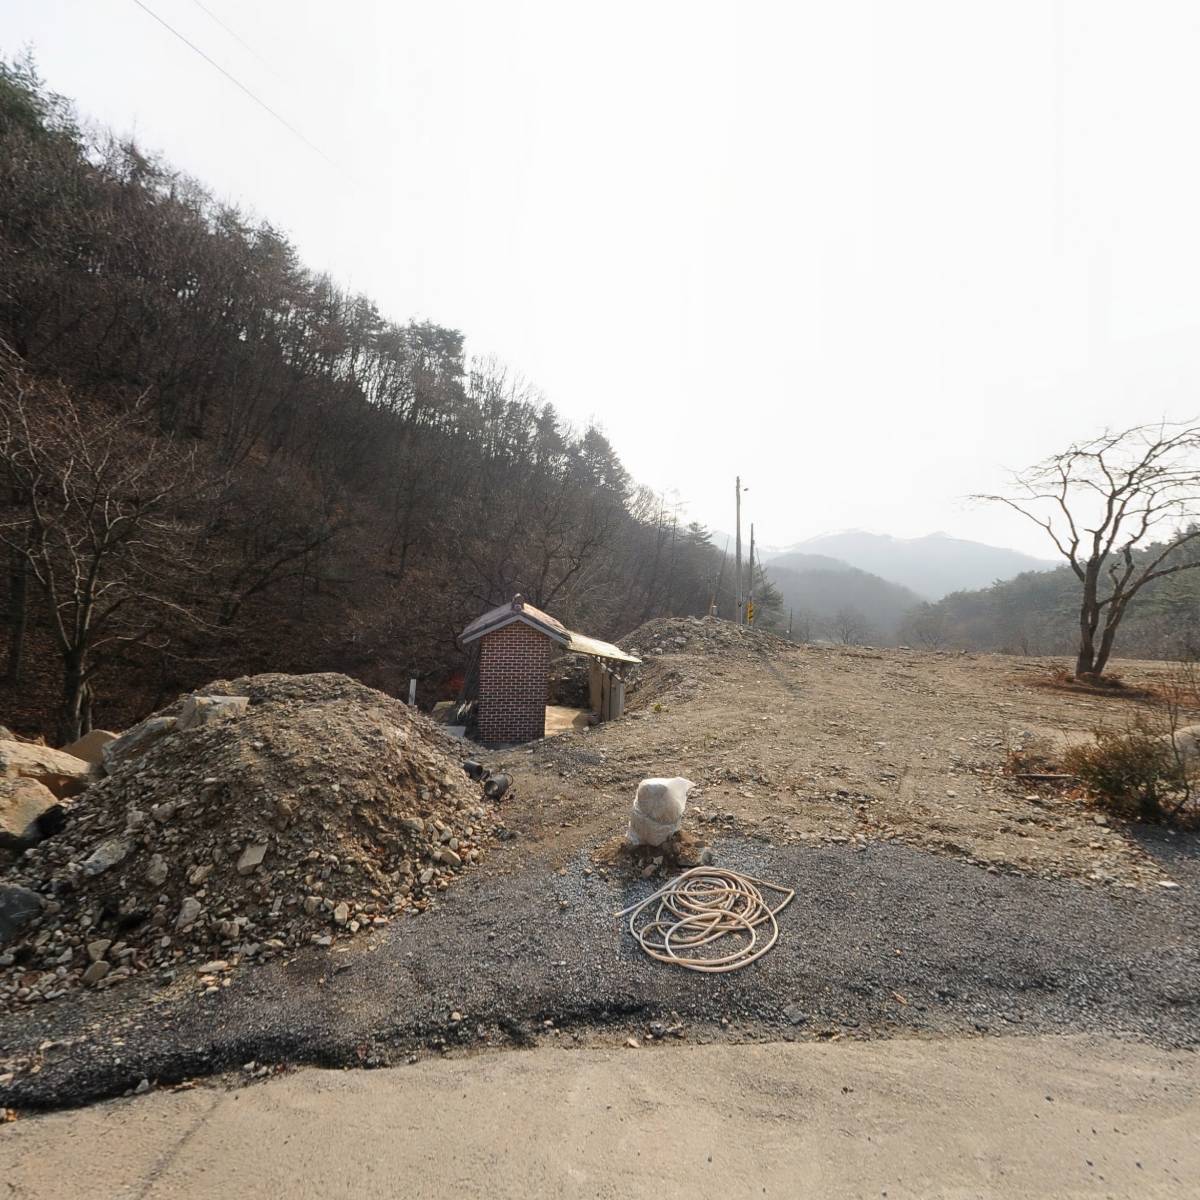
pixel 867 254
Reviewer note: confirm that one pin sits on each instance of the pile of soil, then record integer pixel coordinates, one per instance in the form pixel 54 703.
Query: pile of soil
pixel 660 682
pixel 698 635
pixel 324 809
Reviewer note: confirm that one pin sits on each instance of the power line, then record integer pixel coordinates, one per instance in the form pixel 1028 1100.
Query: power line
pixel 237 37
pixel 238 84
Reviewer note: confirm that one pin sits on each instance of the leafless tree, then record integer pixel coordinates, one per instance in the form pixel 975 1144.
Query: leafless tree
pixel 802 626
pixel 849 626
pixel 1121 509
pixel 927 626
pixel 95 519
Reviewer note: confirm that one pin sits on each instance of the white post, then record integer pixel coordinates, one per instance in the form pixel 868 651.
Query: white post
pixel 412 692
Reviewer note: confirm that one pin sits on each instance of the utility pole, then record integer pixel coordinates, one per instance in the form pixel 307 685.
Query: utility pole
pixel 737 556
pixel 750 583
pixel 789 624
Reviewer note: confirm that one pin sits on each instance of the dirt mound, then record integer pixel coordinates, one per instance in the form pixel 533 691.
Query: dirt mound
pixel 323 808
pixel 669 647
pixel 700 635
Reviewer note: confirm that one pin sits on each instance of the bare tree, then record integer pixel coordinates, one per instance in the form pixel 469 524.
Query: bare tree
pixel 95 520
pixel 801 626
pixel 1106 504
pixel 849 626
pixel 927 626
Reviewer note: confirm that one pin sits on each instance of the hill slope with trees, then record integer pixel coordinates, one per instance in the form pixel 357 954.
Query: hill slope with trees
pixel 829 599
pixel 1038 613
pixel 216 461
pixel 932 566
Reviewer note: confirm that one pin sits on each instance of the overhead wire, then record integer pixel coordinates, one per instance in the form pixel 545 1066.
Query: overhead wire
pixel 238 84
pixel 237 37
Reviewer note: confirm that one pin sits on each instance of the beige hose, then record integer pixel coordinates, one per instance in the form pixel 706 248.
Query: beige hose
pixel 700 907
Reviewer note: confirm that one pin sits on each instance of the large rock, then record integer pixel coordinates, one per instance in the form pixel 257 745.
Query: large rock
pixel 64 774
pixel 209 710
pixel 22 802
pixel 18 906
pixel 1187 744
pixel 136 741
pixel 90 747
pixel 658 810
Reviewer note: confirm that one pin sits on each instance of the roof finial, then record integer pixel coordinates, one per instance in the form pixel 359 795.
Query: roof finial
pixel 518 602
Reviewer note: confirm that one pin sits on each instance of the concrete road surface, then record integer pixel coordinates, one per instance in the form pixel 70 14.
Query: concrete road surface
pixel 1019 1117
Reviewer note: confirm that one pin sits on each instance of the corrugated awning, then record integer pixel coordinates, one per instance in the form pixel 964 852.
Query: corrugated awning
pixel 579 644
pixel 556 631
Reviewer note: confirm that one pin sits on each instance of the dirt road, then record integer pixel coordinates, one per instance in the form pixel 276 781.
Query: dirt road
pixel 841 744
pixel 1019 1117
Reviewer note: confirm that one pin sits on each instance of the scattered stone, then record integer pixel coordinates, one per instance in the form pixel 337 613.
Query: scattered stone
pixel 157 870
pixel 200 710
pixel 341 913
pixel 106 855
pixel 98 949
pixel 189 911
pixel 18 907
pixel 96 972
pixel 251 857
pixel 135 742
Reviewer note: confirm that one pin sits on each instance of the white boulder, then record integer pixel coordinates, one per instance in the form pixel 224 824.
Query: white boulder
pixel 658 810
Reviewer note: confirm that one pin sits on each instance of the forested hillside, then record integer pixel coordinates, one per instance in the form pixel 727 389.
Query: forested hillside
pixel 217 461
pixel 1038 613
pixel 932 566
pixel 833 600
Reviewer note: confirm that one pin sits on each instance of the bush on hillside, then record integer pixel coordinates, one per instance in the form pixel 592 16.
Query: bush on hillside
pixel 1132 772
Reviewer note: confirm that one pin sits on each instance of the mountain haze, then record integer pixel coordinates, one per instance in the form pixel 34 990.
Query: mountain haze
pixel 817 588
pixel 932 566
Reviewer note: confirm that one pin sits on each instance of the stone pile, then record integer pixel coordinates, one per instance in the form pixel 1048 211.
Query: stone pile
pixel 700 635
pixel 272 812
pixel 677 653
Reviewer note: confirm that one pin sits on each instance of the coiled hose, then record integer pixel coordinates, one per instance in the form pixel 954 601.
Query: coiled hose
pixel 699 908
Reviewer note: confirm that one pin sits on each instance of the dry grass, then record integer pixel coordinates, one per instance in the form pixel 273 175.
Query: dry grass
pixel 1110 687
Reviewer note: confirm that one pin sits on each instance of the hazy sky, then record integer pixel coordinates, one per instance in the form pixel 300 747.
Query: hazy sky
pixel 868 255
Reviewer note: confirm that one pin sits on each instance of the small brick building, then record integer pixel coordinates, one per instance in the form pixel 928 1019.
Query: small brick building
pixel 516 643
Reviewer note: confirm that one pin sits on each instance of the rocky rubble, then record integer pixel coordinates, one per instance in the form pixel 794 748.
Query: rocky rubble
pixel 660 642
pixel 310 810
pixel 701 635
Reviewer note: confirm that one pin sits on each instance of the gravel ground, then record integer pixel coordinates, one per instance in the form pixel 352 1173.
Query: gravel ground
pixel 885 940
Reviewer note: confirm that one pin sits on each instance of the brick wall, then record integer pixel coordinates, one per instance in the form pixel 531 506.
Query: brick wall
pixel 514 665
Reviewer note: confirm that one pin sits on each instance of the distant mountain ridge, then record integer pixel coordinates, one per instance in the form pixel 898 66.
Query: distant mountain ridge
pixel 932 566
pixel 817 589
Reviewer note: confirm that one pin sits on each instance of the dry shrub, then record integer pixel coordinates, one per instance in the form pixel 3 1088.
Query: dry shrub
pixel 1132 772
pixel 1110 686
